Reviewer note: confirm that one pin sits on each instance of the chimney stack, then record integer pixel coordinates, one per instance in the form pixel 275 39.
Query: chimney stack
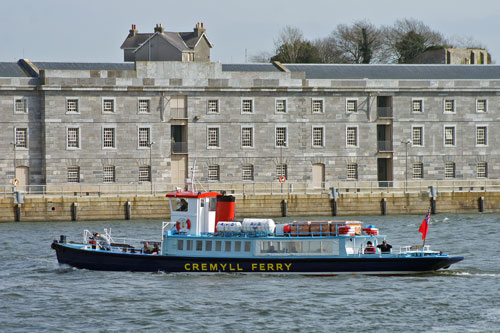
pixel 159 28
pixel 199 29
pixel 133 31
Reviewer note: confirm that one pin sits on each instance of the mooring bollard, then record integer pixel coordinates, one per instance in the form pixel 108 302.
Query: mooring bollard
pixel 481 204
pixel 433 194
pixel 128 210
pixel 74 211
pixel 284 208
pixel 383 203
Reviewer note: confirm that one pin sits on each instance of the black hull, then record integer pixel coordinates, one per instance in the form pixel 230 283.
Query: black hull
pixel 116 261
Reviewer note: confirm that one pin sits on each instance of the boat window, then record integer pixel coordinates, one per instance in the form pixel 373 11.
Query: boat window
pixel 248 246
pixel 218 245
pixel 189 244
pixel 208 246
pixel 292 247
pixel 213 204
pixel 181 205
pixel 199 245
pixel 180 244
pixel 269 246
pixel 237 246
pixel 227 246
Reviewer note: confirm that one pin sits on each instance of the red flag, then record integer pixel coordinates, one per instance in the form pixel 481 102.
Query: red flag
pixel 424 227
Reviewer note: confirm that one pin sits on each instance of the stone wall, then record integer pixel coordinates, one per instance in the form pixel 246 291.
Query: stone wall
pixel 115 208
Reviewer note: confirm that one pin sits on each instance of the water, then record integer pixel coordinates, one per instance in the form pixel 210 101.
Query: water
pixel 38 295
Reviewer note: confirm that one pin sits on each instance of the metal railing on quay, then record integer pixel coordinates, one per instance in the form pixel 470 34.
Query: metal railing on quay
pixel 253 188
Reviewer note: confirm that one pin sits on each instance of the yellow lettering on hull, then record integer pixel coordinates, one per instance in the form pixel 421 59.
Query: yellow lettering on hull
pixel 237 267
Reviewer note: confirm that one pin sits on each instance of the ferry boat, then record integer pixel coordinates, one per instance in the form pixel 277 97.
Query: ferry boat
pixel 204 237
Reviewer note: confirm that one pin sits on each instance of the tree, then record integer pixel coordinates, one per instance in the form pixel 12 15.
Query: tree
pixel 411 45
pixel 328 51
pixel 288 44
pixel 408 34
pixel 359 43
pixel 305 53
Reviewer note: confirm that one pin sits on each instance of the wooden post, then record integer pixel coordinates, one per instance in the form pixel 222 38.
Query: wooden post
pixel 17 212
pixel 481 204
pixel 334 207
pixel 284 208
pixel 128 210
pixel 384 206
pixel 433 206
pixel 74 211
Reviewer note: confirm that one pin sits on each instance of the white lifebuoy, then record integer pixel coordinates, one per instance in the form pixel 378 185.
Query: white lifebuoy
pixel 282 179
pixel 16 181
pixel 183 224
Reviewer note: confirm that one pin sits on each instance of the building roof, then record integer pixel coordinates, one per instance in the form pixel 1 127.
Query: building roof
pixel 11 69
pixel 379 72
pixel 98 66
pixel 183 41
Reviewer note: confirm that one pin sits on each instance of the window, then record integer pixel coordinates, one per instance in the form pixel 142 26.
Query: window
pixel 108 137
pixel 199 245
pixel 418 170
pixel 281 106
pixel 247 172
pixel 213 140
pixel 317 106
pixel 213 106
pixel 281 170
pixel 481 105
pixel 248 246
pixel 109 174
pixel 449 170
pixel 237 246
pixel 449 136
pixel 20 105
pixel 280 135
pixel 73 174
pixel 180 244
pixel 417 105
pixel 482 170
pixel 247 106
pixel 318 139
pixel 352 171
pixel 227 246
pixel 351 105
pixel 143 105
pixel 218 245
pixel 144 137
pixel 145 173
pixel 108 105
pixel 72 105
pixel 417 136
pixel 247 137
pixel 352 136
pixel 213 172
pixel 481 136
pixel 449 106
pixel 208 245
pixel 73 138
pixel 21 137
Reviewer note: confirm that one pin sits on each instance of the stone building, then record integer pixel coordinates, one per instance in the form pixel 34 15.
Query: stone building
pixel 133 122
pixel 454 56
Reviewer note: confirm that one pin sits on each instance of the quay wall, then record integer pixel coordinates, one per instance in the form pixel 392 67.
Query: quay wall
pixel 156 207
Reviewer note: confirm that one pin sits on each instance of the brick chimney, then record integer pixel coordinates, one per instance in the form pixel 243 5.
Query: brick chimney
pixel 133 31
pixel 199 29
pixel 159 28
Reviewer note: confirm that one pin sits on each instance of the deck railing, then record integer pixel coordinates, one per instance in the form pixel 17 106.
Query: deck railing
pixel 243 188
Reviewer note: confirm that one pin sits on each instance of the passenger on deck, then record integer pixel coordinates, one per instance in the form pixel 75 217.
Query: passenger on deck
pixel 385 247
pixel 147 248
pixel 370 249
pixel 156 249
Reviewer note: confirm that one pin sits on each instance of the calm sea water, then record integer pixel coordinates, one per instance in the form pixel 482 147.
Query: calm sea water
pixel 38 295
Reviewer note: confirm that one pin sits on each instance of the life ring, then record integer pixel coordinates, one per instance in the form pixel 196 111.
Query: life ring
pixel 282 179
pixel 16 181
pixel 183 225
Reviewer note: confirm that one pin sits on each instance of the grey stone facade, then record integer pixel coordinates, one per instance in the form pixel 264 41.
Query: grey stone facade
pixel 182 109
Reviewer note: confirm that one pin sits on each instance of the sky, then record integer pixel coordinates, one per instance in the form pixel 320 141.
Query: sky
pixel 93 30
